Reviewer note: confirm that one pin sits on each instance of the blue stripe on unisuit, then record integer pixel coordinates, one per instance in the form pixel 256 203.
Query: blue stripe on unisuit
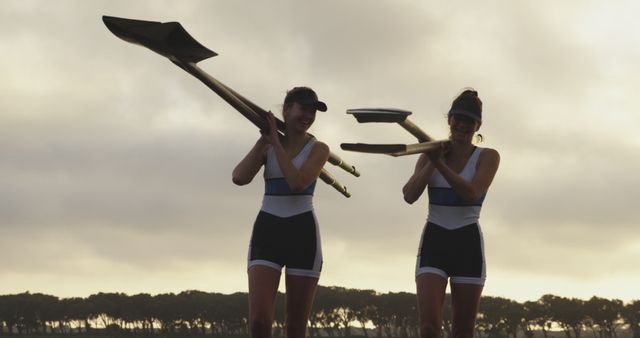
pixel 448 197
pixel 279 187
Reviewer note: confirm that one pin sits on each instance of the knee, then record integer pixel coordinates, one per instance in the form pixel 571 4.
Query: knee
pixel 430 330
pixel 260 327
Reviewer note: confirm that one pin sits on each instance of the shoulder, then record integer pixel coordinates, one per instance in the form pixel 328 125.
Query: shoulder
pixel 423 160
pixel 489 152
pixel 489 155
pixel 320 147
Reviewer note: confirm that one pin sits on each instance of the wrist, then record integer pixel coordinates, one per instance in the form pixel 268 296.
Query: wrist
pixel 263 143
pixel 438 163
pixel 276 145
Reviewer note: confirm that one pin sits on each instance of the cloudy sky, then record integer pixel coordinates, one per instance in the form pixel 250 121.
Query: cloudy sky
pixel 115 165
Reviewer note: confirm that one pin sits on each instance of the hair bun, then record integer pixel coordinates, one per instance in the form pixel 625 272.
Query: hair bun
pixel 470 92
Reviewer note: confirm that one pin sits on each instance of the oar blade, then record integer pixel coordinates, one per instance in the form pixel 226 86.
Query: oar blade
pixel 385 115
pixel 374 148
pixel 168 39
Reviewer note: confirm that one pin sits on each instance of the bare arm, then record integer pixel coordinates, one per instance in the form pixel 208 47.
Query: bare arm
pixel 247 169
pixel 297 179
pixel 300 179
pixel 416 184
pixel 486 169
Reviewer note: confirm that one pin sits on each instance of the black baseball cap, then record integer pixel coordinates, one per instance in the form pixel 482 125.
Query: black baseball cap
pixel 474 114
pixel 305 96
pixel 467 104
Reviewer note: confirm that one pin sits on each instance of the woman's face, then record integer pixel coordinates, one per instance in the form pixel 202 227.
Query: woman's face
pixel 462 127
pixel 299 117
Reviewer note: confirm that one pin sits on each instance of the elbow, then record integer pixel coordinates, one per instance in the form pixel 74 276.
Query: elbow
pixel 407 196
pixel 472 196
pixel 239 180
pixel 297 188
pixel 409 199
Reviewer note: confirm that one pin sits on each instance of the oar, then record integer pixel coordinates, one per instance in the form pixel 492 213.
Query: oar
pixel 333 158
pixel 392 149
pixel 391 115
pixel 172 41
pixel 258 120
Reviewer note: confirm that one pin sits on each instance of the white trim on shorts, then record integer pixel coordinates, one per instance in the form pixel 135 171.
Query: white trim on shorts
pixel 263 262
pixel 454 279
pixel 302 272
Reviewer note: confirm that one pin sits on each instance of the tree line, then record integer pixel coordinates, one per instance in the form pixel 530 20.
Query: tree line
pixel 337 312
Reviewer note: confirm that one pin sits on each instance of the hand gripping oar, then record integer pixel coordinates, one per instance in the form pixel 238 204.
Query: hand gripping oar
pixel 171 40
pixel 366 115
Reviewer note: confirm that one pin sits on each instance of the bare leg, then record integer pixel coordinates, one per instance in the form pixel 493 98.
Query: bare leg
pixel 263 287
pixel 299 299
pixel 465 299
pixel 431 291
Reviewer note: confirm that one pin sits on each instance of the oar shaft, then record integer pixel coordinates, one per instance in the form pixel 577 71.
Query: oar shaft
pixel 172 41
pixel 225 94
pixel 417 148
pixel 261 112
pixel 248 110
pixel 415 131
pixel 333 158
pixel 337 161
pixel 374 148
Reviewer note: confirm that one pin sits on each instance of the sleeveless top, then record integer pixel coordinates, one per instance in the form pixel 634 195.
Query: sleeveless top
pixel 278 199
pixel 446 207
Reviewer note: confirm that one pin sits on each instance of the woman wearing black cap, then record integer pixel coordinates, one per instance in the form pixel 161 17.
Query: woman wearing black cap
pixel 285 233
pixel 458 176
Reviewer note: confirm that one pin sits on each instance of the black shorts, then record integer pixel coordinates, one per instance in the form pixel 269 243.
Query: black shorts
pixel 292 242
pixel 457 254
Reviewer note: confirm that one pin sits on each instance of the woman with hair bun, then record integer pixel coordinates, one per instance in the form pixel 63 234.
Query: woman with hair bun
pixel 458 176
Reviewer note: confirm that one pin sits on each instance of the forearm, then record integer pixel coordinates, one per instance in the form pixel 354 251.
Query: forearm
pixel 294 177
pixel 414 188
pixel 462 187
pixel 247 169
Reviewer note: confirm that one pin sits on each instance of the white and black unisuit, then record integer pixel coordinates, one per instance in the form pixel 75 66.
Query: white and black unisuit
pixel 452 245
pixel 285 233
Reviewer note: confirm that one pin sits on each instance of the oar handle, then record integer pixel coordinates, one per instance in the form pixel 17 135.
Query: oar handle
pixel 337 161
pixel 330 180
